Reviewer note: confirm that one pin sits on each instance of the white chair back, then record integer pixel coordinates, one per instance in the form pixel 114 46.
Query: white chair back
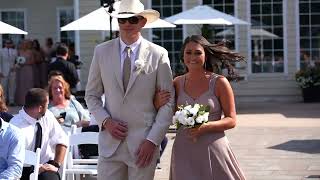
pixel 33 158
pixel 79 166
pixel 83 138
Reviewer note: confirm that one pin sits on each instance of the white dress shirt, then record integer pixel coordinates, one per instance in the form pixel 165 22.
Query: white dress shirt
pixel 52 133
pixel 134 50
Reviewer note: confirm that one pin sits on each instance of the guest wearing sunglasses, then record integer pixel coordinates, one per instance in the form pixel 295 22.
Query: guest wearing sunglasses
pixel 131 20
pixel 128 70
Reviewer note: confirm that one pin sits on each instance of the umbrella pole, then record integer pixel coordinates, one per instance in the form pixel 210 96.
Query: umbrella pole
pixel 108 3
pixel 110 21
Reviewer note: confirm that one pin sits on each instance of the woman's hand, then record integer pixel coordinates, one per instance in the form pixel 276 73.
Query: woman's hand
pixel 60 120
pixel 48 167
pixel 196 132
pixel 161 98
pixel 82 123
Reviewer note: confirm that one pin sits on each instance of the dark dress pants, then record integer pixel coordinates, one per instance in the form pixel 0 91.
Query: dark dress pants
pixel 42 176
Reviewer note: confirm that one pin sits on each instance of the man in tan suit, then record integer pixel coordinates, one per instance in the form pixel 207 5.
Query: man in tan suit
pixel 128 70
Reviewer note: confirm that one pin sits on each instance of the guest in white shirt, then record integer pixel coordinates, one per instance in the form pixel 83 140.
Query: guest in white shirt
pixel 53 142
pixel 8 56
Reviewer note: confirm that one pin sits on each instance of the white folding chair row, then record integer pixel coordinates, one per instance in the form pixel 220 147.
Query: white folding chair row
pixel 33 159
pixel 74 165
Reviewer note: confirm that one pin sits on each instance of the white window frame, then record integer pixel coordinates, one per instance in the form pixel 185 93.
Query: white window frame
pixel 58 20
pixel 16 10
pixel 235 27
pixel 184 34
pixel 297 13
pixel 249 40
pixel 298 36
pixel 285 59
pixel 285 36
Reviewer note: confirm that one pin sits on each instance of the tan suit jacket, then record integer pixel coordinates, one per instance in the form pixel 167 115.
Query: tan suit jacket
pixel 135 106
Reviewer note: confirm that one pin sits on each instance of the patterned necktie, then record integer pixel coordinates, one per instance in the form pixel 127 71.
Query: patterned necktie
pixel 126 68
pixel 38 137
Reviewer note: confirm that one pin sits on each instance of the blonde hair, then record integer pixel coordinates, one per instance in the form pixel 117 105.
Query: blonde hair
pixel 66 86
pixel 3 106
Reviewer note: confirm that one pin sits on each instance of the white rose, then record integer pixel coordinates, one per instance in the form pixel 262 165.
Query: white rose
pixel 206 117
pixel 190 121
pixel 187 107
pixel 21 60
pixel 174 119
pixel 182 119
pixel 177 113
pixel 203 118
pixel 200 119
pixel 139 64
pixel 197 106
pixel 194 111
pixel 184 112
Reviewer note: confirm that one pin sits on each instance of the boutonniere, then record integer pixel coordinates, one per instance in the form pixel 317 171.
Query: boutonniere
pixel 139 65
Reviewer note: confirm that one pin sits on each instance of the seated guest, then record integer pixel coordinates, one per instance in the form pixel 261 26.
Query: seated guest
pixel 3 107
pixel 64 106
pixel 48 134
pixel 11 151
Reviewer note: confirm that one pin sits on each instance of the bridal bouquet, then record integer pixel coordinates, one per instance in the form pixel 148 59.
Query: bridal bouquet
pixel 19 61
pixel 189 116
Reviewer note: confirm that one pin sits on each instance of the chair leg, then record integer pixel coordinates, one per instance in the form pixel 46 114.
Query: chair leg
pixel 32 176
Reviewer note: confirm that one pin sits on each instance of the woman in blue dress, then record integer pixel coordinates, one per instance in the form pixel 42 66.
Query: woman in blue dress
pixel 64 106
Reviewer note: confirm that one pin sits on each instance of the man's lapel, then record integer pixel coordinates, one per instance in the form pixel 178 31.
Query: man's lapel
pixel 142 56
pixel 115 57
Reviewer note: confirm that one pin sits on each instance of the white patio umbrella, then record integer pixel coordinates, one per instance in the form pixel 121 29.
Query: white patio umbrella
pixel 204 14
pixel 99 20
pixel 256 35
pixel 8 29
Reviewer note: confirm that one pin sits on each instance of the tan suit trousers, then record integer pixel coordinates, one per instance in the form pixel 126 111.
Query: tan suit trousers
pixel 122 166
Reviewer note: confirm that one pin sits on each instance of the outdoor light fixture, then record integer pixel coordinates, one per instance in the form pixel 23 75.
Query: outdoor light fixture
pixel 108 4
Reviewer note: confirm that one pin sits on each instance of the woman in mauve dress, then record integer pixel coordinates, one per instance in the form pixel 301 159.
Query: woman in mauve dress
pixel 24 71
pixel 204 152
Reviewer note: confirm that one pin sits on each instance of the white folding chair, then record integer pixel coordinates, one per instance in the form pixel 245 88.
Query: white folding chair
pixel 73 166
pixel 33 159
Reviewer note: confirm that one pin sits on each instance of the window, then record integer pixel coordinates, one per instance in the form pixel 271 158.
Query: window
pixel 169 38
pixel 309 33
pixel 226 6
pixel 267 36
pixel 16 19
pixel 66 16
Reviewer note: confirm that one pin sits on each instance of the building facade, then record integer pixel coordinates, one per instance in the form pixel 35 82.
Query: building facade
pixel 284 36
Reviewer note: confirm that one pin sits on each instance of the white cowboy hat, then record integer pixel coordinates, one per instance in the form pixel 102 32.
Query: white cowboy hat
pixel 129 8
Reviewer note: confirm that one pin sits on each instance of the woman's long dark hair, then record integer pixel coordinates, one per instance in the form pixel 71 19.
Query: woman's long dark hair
pixel 218 56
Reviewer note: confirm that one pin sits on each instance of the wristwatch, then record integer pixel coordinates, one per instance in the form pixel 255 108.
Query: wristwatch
pixel 54 163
